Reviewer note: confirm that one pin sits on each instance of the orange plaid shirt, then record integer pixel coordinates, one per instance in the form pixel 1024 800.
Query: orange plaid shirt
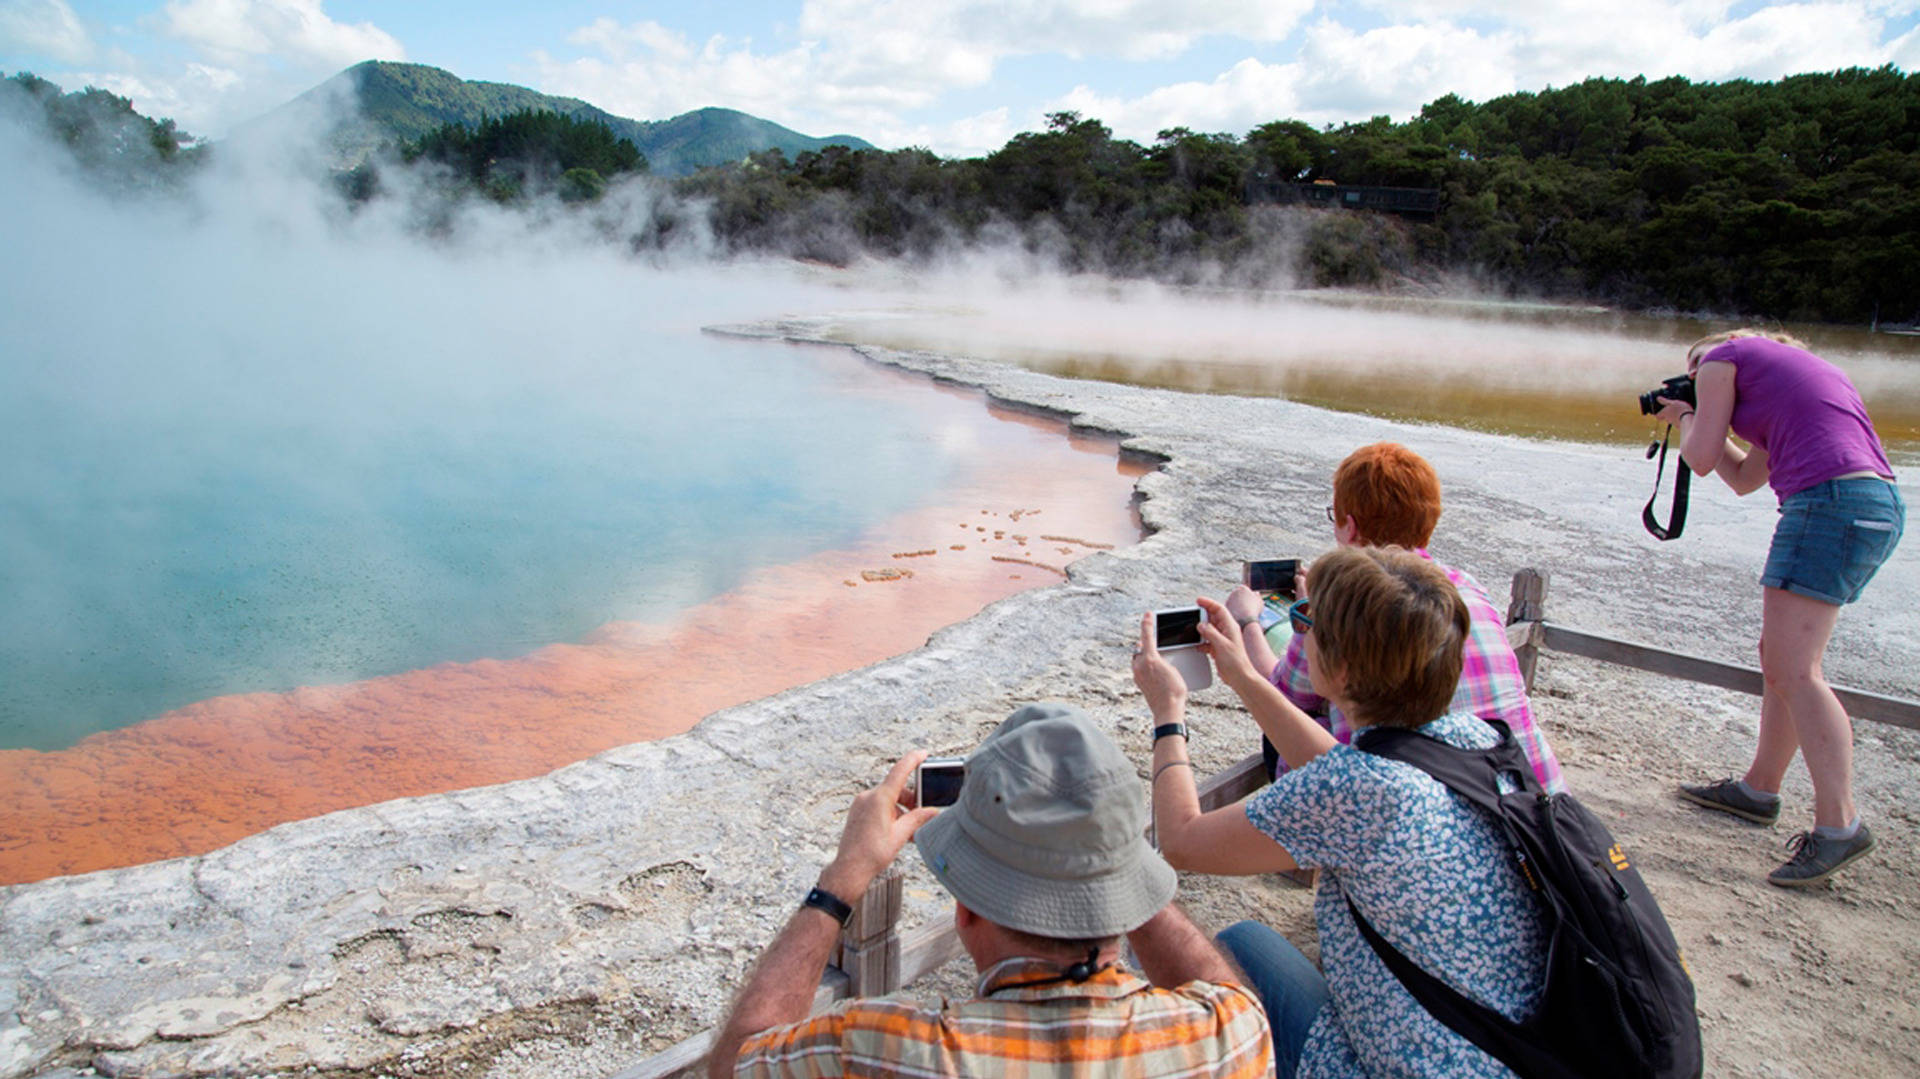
pixel 1114 1023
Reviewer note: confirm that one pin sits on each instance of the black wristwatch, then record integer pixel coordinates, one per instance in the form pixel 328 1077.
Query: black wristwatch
pixel 1165 729
pixel 823 900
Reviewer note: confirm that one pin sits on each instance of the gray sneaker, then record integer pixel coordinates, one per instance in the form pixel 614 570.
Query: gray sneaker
pixel 1727 797
pixel 1815 859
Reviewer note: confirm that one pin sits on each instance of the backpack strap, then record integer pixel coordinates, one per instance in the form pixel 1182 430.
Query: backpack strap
pixel 1474 774
pixel 1490 1031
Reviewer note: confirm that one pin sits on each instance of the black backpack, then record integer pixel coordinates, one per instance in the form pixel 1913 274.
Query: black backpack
pixel 1619 997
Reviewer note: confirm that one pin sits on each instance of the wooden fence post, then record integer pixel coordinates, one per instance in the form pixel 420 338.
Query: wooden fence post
pixel 1527 608
pixel 870 944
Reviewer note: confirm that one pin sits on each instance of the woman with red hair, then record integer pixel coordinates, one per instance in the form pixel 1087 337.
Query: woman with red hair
pixel 1386 495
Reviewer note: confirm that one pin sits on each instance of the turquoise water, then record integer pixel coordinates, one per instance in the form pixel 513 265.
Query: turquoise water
pixel 247 447
pixel 220 517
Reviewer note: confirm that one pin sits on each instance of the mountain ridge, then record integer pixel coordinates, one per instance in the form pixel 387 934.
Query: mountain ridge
pixel 393 102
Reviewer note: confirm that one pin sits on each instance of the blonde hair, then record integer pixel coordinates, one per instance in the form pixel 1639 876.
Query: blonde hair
pixel 1395 627
pixel 1706 344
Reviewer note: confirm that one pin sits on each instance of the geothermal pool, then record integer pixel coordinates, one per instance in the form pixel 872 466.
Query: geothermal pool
pixel 260 521
pixel 302 510
pixel 298 513
pixel 451 594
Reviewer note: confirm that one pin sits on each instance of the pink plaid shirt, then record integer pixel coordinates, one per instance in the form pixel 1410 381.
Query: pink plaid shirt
pixel 1491 685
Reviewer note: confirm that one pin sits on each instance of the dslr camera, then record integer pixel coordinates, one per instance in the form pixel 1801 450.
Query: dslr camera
pixel 1677 388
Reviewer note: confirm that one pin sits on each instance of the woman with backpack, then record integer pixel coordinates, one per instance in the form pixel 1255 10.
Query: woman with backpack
pixel 1840 518
pixel 1432 874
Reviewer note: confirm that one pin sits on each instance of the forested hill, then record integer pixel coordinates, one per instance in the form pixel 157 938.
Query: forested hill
pixel 403 102
pixel 1790 200
pixel 1797 199
pixel 121 150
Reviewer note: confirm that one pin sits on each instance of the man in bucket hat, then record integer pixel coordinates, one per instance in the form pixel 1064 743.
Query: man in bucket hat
pixel 1046 857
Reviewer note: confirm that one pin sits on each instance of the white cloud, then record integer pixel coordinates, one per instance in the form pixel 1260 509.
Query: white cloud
pixel 979 134
pixel 296 30
pixel 859 65
pixel 44 28
pixel 969 136
pixel 1393 70
pixel 618 42
pixel 1791 39
pixel 1906 50
pixel 652 76
pixel 238 58
pixel 1338 75
pixel 1481 50
pixel 1558 42
pixel 899 33
pixel 1243 97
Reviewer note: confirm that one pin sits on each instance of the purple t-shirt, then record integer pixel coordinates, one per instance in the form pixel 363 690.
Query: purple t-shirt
pixel 1800 409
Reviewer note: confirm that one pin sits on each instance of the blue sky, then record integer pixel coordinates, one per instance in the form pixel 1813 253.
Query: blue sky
pixel 957 76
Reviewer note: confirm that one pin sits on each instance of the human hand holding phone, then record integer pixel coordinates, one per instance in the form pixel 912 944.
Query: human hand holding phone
pixel 1228 650
pixel 938 780
pixel 1164 688
pixel 1176 638
pixel 1244 604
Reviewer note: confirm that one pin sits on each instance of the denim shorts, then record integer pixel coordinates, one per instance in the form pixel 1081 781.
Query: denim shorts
pixel 1833 536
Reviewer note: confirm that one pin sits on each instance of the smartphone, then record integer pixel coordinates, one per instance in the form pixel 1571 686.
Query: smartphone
pixel 1271 576
pixel 1177 627
pixel 1176 633
pixel 939 780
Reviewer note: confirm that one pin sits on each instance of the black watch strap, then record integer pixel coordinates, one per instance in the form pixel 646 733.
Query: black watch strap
pixel 833 905
pixel 1165 729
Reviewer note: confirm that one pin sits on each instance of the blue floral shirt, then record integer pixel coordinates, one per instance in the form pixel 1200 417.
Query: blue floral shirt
pixel 1433 875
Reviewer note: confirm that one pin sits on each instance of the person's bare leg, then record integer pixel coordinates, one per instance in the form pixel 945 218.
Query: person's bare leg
pixel 1777 745
pixel 1795 630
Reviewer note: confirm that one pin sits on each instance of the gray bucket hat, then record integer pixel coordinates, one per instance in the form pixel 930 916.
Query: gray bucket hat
pixel 1048 836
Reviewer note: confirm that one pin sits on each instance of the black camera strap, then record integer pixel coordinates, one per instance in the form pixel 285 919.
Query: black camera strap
pixel 1682 481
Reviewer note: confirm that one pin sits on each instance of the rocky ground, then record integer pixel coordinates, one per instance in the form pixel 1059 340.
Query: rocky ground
pixel 576 923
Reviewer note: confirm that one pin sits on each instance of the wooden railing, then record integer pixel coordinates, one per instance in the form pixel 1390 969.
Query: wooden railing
pixel 875 957
pixel 1529 632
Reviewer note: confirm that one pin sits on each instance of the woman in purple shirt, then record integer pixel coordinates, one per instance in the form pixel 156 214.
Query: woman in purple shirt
pixel 1840 518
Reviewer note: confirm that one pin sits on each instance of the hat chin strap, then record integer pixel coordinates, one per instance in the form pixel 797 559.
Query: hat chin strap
pixel 1079 972
pixel 1086 968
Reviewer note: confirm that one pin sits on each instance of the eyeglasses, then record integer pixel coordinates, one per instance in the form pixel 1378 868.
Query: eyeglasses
pixel 1331 519
pixel 1297 616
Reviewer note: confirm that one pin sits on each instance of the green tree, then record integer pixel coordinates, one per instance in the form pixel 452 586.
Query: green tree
pixel 529 150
